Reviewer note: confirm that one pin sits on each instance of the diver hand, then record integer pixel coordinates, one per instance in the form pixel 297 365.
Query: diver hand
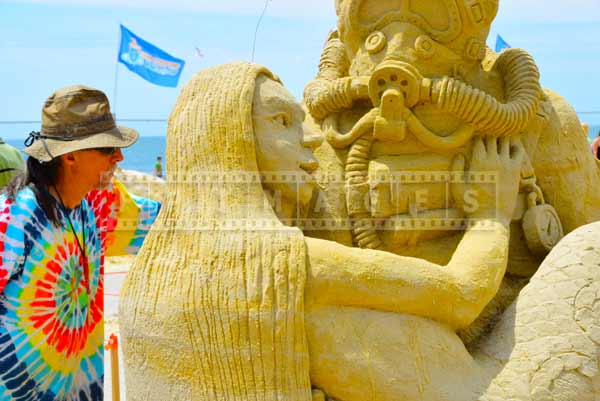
pixel 492 180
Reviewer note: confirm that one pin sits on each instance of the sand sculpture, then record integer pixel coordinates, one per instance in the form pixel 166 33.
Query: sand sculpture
pixel 225 302
pixel 403 88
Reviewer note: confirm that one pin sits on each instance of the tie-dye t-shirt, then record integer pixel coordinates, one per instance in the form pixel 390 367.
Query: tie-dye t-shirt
pixel 51 308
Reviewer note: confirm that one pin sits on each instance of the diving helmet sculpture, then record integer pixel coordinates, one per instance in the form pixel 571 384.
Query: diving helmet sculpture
pixel 405 77
pixel 402 88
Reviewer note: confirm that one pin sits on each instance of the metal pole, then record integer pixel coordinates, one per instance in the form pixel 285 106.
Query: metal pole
pixel 114 102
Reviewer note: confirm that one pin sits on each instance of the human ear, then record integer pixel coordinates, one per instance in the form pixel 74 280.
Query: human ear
pixel 68 159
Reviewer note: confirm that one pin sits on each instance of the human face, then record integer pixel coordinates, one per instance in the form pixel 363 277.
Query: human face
pixel 95 167
pixel 283 143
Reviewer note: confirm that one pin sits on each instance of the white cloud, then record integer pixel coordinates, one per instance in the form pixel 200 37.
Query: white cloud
pixel 286 8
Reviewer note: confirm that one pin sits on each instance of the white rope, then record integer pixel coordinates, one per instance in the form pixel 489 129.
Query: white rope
pixel 257 25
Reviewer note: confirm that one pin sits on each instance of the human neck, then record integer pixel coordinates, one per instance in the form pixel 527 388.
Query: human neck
pixel 283 208
pixel 68 194
pixel 287 211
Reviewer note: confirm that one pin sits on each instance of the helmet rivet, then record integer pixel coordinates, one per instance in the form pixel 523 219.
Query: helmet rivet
pixel 375 42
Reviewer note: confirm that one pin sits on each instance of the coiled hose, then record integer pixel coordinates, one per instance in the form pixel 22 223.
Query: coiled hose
pixel 474 106
pixel 329 92
pixel 487 114
pixel 357 190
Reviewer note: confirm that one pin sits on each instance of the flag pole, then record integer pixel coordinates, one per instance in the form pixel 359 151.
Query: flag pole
pixel 114 103
pixel 115 91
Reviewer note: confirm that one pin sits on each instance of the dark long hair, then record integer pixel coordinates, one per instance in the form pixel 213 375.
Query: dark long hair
pixel 39 176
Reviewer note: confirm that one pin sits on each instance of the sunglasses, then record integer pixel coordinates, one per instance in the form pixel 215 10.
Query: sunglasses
pixel 107 151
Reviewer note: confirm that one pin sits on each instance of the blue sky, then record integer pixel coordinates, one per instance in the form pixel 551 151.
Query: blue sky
pixel 46 44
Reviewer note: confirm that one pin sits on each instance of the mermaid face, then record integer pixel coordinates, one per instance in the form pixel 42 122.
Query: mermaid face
pixel 283 143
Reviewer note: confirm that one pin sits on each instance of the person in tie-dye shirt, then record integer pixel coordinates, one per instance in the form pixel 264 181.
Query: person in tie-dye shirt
pixel 57 222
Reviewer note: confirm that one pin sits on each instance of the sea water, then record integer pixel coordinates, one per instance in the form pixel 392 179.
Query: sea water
pixel 142 155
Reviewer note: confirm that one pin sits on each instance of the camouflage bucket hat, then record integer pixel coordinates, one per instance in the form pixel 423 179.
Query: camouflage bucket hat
pixel 76 118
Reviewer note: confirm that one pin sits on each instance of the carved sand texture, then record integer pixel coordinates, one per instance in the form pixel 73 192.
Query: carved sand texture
pixel 547 342
pixel 215 314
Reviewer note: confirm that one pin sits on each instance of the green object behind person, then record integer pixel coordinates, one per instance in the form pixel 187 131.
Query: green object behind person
pixel 11 162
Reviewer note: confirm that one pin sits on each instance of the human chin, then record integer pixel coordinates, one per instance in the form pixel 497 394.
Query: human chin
pixel 298 194
pixel 305 192
pixel 105 179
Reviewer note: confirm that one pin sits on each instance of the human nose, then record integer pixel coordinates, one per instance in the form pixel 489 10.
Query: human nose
pixel 310 164
pixel 310 138
pixel 117 156
pixel 310 141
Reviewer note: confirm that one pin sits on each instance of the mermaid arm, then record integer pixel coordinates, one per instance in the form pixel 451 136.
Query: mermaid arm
pixel 454 294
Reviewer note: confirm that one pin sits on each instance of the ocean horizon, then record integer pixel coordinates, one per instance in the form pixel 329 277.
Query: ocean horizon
pixel 142 155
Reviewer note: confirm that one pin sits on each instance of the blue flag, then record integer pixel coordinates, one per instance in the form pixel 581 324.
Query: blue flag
pixel 501 44
pixel 148 61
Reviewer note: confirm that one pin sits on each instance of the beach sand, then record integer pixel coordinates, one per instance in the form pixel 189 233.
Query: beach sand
pixel 142 184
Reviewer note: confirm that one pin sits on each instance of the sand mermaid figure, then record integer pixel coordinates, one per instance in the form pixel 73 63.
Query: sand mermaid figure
pixel 225 302
pixel 225 305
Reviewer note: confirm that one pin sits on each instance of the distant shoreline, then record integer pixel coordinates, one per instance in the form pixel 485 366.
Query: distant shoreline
pixel 139 157
pixel 142 155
